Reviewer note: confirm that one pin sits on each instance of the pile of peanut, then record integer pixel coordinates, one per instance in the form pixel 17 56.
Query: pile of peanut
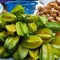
pixel 51 10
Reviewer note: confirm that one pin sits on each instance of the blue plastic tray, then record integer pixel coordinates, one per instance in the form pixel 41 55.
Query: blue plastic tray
pixel 29 5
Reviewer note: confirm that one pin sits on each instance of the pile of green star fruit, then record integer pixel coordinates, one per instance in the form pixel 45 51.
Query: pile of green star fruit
pixel 28 37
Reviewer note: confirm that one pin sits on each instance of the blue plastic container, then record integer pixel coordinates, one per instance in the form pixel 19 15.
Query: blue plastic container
pixel 2 1
pixel 29 5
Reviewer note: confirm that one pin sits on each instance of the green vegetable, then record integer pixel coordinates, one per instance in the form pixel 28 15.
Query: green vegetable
pixel 43 20
pixel 55 26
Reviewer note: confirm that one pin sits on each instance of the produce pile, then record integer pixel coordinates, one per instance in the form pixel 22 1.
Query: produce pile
pixel 28 37
pixel 51 10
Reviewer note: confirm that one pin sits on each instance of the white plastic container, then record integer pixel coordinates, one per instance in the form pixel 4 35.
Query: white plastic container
pixel 1 8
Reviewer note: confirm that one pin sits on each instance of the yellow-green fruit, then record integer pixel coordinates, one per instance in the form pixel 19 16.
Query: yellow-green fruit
pixel 19 29
pixel 32 18
pixel 32 42
pixel 11 28
pixel 18 10
pixel 47 52
pixel 3 52
pixel 44 31
pixel 56 46
pixel 21 53
pixel 44 36
pixel 34 53
pixel 30 58
pixel 56 41
pixel 44 52
pixel 3 34
pixel 32 27
pixel 50 51
pixel 8 17
pixel 56 51
pixel 11 42
pixel 24 28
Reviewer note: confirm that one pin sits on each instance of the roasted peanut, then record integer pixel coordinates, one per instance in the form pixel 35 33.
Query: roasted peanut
pixel 58 19
pixel 51 10
pixel 50 18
